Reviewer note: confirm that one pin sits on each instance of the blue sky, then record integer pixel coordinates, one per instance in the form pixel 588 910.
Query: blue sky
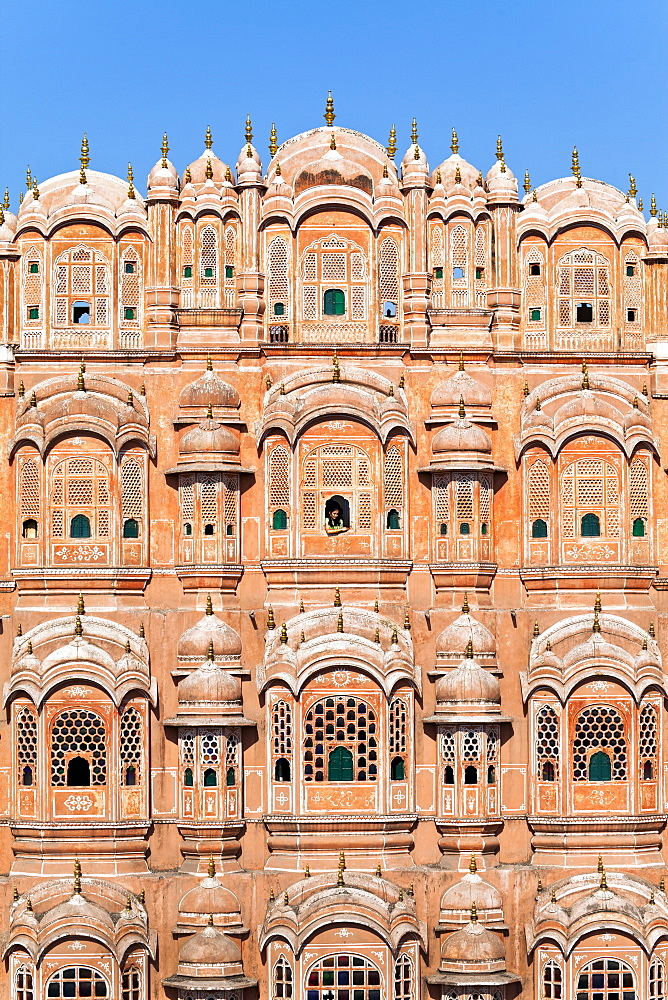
pixel 545 75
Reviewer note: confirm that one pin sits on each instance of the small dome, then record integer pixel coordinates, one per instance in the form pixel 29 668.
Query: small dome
pixel 469 683
pixel 209 685
pixel 533 210
pixel 194 643
pixel 209 438
pixel 658 239
pixel 605 900
pixel 8 227
pixel 471 889
pixel 473 946
pixel 132 206
pixel 333 168
pixel 209 388
pixel 164 174
pixel 468 175
pixel 211 897
pixel 502 181
pixel 414 166
pixel 462 436
pixel 207 162
pixel 249 167
pixel 454 639
pixel 210 947
pixel 461 385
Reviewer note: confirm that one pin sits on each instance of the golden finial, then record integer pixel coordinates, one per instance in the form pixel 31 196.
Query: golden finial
pixel 386 172
pixel 469 650
pixel 301 606
pixel 548 646
pixel 268 382
pixel 585 375
pixel 536 630
pixel 461 361
pixel 473 868
pixel 375 606
pixel 209 365
pixel 329 115
pixel 29 647
pixel 5 203
pixel 575 166
pixel 210 655
pixel 307 872
pixel 391 391
pixel 596 627
pixel 458 175
pixel 281 389
pixel 604 881
pixel 416 154
pixel 525 390
pixel 337 598
pixel 527 181
pixel 479 181
pixel 539 887
pixel 209 411
pixel 249 151
pixel 127 645
pixel 19 629
pixel 208 138
pixel 81 385
pixel 645 390
pixel 2 216
pixel 465 604
pixel 28 178
pixel 77 877
pixel 601 867
pixel 128 903
pixel 652 206
pixel 78 627
pixel 20 197
pixel 339 877
pixel 342 859
pixel 131 398
pixel 650 630
pixel 414 132
pixel 553 895
pixel 640 205
pixel 271 621
pixel 284 634
pixel 395 636
pixel 208 173
pixel 662 883
pixel 407 621
pixel 273 140
pixel 538 405
pixel 339 622
pixel 187 176
pixel 302 637
pixel 33 400
pixel 164 149
pixel 454 142
pixel 142 389
pixel 209 922
pixel 633 190
pixel 651 898
pixel 499 148
pixel 376 636
pixel 35 189
pixel 401 895
pixel 411 889
pixel 402 381
pixel 29 904
pixel 142 632
pixel 462 410
pixel 336 374
pixel 635 402
pixel 228 175
pixel 22 388
pixel 392 143
pixel 131 187
pixel 474 913
pixel 15 894
pixel 278 169
pixel 248 133
pixel 332 142
pixel 81 610
pixel 597 602
pixel 272 897
pixel 84 159
pixel 209 605
pixel 534 196
pixel 438 176
pixel 378 871
pixel 644 642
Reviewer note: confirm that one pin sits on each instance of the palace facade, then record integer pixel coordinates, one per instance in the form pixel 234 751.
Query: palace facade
pixel 333 581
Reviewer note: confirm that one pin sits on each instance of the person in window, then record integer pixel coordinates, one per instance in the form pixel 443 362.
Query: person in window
pixel 334 523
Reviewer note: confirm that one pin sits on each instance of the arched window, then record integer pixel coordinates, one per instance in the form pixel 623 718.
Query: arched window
pixel 464 528
pixel 393 487
pixel 388 277
pixel 590 526
pixel 131 744
pixel 131 984
pixel 78 749
pixel 279 520
pixel 398 738
pixel 210 778
pixel 459 263
pixel 30 497
pixel 657 986
pixel 131 294
pixel 132 493
pixel 397 769
pixel 547 744
pixel 639 528
pixel 538 500
pixel 188 777
pixel 552 982
pixel 81 288
pixel 605 979
pixel 29 529
pixel 600 729
pixel 23 984
pixel 80 526
pixel 26 747
pixel 340 723
pixel 648 743
pixel 281 740
pixel 208 257
pixel 76 983
pixel 282 986
pixel 539 528
pixel 583 289
pixel 403 978
pixel 131 528
pixel 343 971
pixel 449 775
pixel 334 302
pixel 278 284
pixel 470 775
pixel 282 769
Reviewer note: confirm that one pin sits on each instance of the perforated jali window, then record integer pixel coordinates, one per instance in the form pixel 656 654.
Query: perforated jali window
pixel 464 496
pixel 647 747
pixel 281 730
pixel 80 486
pixel 279 289
pixel 633 291
pixel 459 265
pixel 539 491
pixel 209 498
pixel 30 505
pixel 403 978
pixel 599 726
pixel 208 256
pixel 334 263
pixel 131 744
pixel 441 489
pixel 639 489
pixel 279 479
pixel 26 746
pixel 32 281
pixel 584 281
pixel 447 746
pixel 132 488
pixel 336 470
pixel 398 727
pixel 78 732
pixel 388 272
pixel 341 722
pixel 340 977
pixel 547 744
pixel 81 275
pixel 393 486
pixel 131 287
pixel 590 485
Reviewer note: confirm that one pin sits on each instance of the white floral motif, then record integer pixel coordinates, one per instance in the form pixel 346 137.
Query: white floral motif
pixel 78 803
pixel 81 553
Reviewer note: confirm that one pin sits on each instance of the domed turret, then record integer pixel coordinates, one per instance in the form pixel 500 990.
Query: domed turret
pixel 473 949
pixel 249 167
pixel 469 685
pixel 193 646
pixel 209 690
pixel 7 222
pixel 210 897
pixel 458 901
pixel 209 439
pixel 456 171
pixel 207 167
pixel 501 181
pixel 461 386
pixel 133 205
pixel 163 177
pixel 457 635
pixel 414 166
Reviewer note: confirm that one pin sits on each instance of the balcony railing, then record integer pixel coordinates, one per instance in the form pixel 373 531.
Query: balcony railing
pixel 279 333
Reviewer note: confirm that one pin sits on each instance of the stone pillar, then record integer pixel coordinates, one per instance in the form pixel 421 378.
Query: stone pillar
pixel 162 291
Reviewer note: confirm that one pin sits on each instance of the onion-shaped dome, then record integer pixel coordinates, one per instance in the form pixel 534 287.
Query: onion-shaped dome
pixel 414 166
pixel 461 896
pixel 8 223
pixel 207 166
pixel 473 949
pixel 163 174
pixel 469 684
pixel 534 211
pixel 277 188
pixel 210 897
pixel 194 643
pixel 462 437
pixel 210 954
pixel 501 181
pixel 209 389
pixel 456 171
pixel 249 167
pixel 334 168
pixel 209 685
pixel 658 239
pixel 454 639
pixel 209 438
pixel 461 385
